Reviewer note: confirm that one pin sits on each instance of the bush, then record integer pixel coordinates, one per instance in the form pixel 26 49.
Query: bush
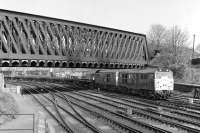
pixel 178 71
pixel 163 60
pixel 192 75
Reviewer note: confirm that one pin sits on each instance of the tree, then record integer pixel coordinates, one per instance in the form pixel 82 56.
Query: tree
pixel 171 43
pixel 176 41
pixel 156 36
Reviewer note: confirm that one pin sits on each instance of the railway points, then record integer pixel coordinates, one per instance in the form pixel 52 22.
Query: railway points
pixel 146 114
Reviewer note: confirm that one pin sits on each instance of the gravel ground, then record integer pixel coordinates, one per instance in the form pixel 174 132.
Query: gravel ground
pixel 25 106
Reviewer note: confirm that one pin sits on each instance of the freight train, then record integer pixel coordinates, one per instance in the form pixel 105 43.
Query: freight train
pixel 154 83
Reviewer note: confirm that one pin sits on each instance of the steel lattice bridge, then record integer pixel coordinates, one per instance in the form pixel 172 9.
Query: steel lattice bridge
pixel 38 41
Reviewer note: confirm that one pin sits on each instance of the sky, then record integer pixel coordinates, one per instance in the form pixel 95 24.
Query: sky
pixel 131 15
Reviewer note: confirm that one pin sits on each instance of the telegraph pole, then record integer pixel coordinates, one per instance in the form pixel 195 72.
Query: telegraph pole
pixel 193 46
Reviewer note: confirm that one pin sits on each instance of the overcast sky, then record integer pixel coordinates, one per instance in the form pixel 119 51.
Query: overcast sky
pixel 131 15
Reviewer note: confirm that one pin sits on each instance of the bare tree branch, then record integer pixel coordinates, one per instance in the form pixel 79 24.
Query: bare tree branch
pixel 156 35
pixel 171 42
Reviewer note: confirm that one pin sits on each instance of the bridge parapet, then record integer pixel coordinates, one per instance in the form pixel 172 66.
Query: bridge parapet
pixel 32 40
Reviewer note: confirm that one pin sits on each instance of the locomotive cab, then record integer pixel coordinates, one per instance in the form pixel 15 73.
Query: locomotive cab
pixel 163 83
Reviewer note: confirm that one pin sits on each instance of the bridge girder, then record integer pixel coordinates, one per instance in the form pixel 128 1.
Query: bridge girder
pixel 32 40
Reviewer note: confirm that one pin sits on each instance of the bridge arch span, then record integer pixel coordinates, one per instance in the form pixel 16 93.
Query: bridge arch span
pixel 33 63
pixel 78 65
pixel 71 64
pixel 90 65
pixel 5 63
pixel 84 65
pixel 24 63
pixel 101 65
pixel 95 65
pixel 57 63
pixel 121 66
pixel 41 63
pixel 64 64
pixel 49 63
pixel 116 66
pixel 15 63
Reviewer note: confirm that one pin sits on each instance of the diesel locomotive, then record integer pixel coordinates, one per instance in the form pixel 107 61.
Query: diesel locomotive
pixel 149 83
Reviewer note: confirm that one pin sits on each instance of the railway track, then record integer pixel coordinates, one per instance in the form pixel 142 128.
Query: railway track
pixel 105 108
pixel 176 110
pixel 167 116
pixel 186 99
pixel 116 118
pixel 119 126
pixel 76 115
pixel 59 118
pixel 149 114
pixel 119 122
pixel 145 107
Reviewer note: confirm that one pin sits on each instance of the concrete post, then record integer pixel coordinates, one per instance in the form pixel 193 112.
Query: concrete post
pixel 2 83
pixel 41 126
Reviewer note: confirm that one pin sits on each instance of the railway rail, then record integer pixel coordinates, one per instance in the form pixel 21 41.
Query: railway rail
pixel 122 127
pixel 153 110
pixel 77 116
pixel 120 124
pixel 166 119
pixel 186 117
pixel 61 123
pixel 178 110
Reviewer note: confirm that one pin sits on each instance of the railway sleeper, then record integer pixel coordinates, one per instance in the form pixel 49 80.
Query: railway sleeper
pixel 150 114
pixel 164 121
pixel 127 119
pixel 154 105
